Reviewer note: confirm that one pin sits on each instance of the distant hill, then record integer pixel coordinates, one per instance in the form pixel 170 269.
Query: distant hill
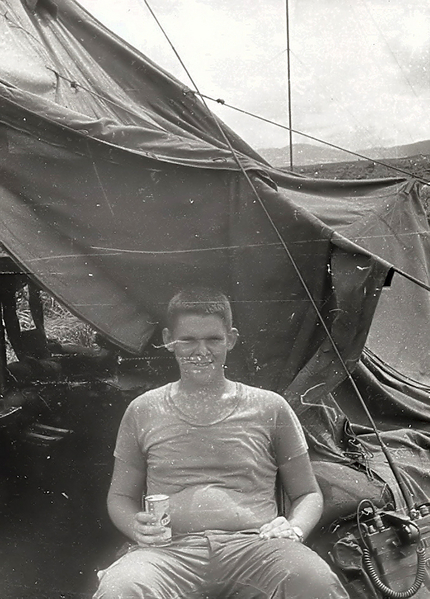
pixel 305 154
pixel 415 166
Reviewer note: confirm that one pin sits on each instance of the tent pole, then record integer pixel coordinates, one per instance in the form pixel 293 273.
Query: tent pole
pixel 290 120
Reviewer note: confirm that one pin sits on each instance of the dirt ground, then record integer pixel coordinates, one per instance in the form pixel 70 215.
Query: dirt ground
pixel 416 166
pixel 55 530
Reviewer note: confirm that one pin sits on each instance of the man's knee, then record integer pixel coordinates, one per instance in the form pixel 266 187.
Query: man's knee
pixel 148 574
pixel 120 585
pixel 130 577
pixel 311 578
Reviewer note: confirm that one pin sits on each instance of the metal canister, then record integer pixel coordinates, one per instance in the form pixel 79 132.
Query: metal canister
pixel 158 505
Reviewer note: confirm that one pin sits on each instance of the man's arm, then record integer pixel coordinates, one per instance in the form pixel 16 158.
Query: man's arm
pixel 124 505
pixel 299 482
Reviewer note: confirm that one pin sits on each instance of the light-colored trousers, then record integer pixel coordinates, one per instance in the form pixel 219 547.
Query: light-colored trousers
pixel 219 564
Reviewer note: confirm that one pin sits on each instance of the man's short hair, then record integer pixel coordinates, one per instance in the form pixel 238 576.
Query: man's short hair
pixel 203 301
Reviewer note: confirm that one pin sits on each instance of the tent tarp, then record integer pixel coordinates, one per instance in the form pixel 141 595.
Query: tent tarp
pixel 118 187
pixel 397 230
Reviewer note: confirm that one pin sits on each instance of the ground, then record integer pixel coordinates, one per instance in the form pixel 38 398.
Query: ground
pixel 417 166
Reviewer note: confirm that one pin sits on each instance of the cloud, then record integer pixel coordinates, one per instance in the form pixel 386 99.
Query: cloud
pixel 359 67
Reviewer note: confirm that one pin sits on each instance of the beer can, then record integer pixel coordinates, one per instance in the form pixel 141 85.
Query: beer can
pixel 158 505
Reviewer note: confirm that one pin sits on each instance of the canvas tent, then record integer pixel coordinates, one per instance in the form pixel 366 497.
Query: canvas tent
pixel 118 187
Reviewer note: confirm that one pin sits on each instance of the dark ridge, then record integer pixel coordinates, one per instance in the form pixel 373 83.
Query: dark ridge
pixel 418 166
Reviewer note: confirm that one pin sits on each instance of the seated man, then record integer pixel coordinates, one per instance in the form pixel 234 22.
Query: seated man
pixel 215 447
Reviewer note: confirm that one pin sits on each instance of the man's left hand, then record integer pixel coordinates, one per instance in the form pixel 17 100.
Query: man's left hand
pixel 278 528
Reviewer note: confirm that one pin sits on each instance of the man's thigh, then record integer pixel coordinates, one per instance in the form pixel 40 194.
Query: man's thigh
pixel 247 566
pixel 176 571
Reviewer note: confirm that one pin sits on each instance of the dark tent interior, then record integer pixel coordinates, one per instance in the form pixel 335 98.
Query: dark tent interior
pixel 118 187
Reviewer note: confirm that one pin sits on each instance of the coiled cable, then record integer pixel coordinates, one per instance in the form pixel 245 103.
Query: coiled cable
pixel 377 582
pixel 370 567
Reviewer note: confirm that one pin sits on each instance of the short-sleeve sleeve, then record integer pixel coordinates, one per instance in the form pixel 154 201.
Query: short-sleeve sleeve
pixel 290 441
pixel 127 448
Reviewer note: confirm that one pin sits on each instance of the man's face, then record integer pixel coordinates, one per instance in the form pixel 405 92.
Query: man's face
pixel 200 344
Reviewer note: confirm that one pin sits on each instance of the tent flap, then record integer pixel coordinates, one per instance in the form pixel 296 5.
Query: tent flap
pixel 118 188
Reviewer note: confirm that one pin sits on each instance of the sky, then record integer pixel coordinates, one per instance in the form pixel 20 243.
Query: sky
pixel 360 69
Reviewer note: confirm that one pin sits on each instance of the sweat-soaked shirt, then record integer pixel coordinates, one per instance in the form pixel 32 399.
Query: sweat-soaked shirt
pixel 219 476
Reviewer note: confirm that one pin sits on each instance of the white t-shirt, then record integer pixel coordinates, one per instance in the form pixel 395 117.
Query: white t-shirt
pixel 219 476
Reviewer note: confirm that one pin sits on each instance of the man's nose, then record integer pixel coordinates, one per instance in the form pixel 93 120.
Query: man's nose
pixel 202 347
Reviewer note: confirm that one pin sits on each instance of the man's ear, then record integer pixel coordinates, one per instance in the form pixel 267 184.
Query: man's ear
pixel 232 338
pixel 167 339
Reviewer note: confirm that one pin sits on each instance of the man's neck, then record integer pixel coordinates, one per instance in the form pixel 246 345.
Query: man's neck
pixel 205 404
pixel 214 390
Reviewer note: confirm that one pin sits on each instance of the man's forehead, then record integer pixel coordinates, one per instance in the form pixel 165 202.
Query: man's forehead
pixel 198 324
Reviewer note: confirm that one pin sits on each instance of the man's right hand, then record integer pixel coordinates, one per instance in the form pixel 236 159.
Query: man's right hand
pixel 145 531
